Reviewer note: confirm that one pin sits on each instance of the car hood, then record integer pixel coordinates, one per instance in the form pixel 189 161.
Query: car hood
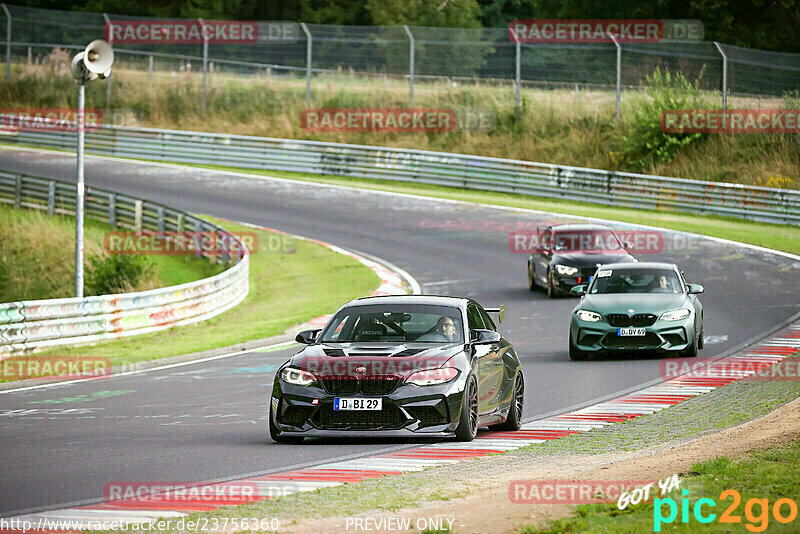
pixel 588 259
pixel 378 358
pixel 655 303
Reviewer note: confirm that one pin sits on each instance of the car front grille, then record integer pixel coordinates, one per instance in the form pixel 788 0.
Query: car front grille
pixel 428 415
pixel 389 417
pixel 364 386
pixel 640 319
pixel 295 415
pixel 649 340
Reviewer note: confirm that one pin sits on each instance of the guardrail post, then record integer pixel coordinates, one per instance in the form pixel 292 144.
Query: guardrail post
pixel 108 80
pixel 411 55
pixel 51 198
pixel 8 43
pixel 309 44
pixel 160 222
pixel 518 73
pixel 112 210
pixel 180 223
pixel 724 81
pixel 619 71
pixel 137 215
pixel 205 62
pixel 17 191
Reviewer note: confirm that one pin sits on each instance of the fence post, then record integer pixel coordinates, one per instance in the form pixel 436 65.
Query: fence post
pixel 160 222
pixel 112 210
pixel 179 223
pixel 411 55
pixel 149 66
pixel 51 198
pixel 17 191
pixel 8 43
pixel 108 81
pixel 619 71
pixel 724 81
pixel 137 216
pixel 205 62
pixel 518 74
pixel 309 44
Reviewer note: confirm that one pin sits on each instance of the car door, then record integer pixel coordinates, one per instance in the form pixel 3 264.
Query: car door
pixel 493 368
pixel 543 256
pixel 481 352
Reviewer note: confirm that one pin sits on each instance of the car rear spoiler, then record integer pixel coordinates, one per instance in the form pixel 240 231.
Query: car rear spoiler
pixel 501 311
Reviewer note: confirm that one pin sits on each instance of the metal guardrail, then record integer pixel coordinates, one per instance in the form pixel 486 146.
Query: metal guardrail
pixel 29 326
pixel 764 204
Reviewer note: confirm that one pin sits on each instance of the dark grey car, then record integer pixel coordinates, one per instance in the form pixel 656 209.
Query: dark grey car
pixel 400 366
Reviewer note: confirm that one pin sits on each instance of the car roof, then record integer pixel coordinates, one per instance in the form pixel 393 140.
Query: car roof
pixel 579 226
pixel 437 300
pixel 640 265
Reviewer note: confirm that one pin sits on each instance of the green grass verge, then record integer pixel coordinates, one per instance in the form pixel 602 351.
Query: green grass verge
pixel 769 475
pixel 774 236
pixel 37 257
pixel 285 289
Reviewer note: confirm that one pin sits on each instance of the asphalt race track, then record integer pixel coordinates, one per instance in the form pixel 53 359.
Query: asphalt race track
pixel 207 421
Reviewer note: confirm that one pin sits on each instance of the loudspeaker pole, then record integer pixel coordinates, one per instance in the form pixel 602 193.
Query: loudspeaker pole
pixel 79 198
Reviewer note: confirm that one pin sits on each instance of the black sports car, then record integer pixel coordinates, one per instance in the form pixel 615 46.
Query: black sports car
pixel 400 366
pixel 567 255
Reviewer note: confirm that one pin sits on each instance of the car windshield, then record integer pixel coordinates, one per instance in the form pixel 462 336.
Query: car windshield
pixel 635 281
pixel 395 323
pixel 597 240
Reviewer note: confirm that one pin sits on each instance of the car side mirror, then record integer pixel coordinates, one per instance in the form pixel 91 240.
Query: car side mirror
pixel 579 290
pixel 307 337
pixel 696 289
pixel 483 337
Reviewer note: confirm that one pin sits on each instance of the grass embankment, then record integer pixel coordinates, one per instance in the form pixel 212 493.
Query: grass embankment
pixel 774 236
pixel 554 126
pixel 287 287
pixel 37 258
pixel 765 476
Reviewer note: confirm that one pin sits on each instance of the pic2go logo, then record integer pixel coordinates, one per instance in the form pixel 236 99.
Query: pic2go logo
pixel 702 514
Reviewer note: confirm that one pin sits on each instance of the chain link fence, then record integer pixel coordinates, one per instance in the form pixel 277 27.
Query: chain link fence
pixel 423 62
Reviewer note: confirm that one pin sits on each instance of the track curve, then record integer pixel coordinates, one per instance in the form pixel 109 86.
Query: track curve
pixel 207 422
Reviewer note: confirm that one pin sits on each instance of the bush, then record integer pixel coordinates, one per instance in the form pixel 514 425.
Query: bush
pixel 643 143
pixel 116 274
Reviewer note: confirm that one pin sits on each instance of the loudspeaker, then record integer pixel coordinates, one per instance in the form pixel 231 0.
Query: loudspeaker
pixel 95 61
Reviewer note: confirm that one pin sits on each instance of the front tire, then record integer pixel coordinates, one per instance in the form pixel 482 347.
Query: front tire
pixel 691 350
pixel 551 290
pixel 514 420
pixel 531 278
pixel 576 354
pixel 701 341
pixel 278 436
pixel 468 422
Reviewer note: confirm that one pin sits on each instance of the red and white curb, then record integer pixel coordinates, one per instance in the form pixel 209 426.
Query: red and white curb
pixel 649 400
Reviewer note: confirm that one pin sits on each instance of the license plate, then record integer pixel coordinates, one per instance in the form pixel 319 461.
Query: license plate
pixel 631 332
pixel 356 403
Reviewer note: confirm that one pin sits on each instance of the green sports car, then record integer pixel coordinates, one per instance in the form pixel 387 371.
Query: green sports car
pixel 636 307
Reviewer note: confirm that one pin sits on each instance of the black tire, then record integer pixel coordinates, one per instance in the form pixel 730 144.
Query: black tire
pixel 514 420
pixel 691 350
pixel 277 436
pixel 468 422
pixel 531 279
pixel 574 353
pixel 551 291
pixel 701 341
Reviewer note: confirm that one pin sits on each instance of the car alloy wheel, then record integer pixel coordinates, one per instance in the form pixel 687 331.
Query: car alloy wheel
pixel 468 422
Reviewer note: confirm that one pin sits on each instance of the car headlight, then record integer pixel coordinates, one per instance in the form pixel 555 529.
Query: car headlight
pixel 431 377
pixel 676 315
pixel 298 377
pixel 588 316
pixel 566 270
